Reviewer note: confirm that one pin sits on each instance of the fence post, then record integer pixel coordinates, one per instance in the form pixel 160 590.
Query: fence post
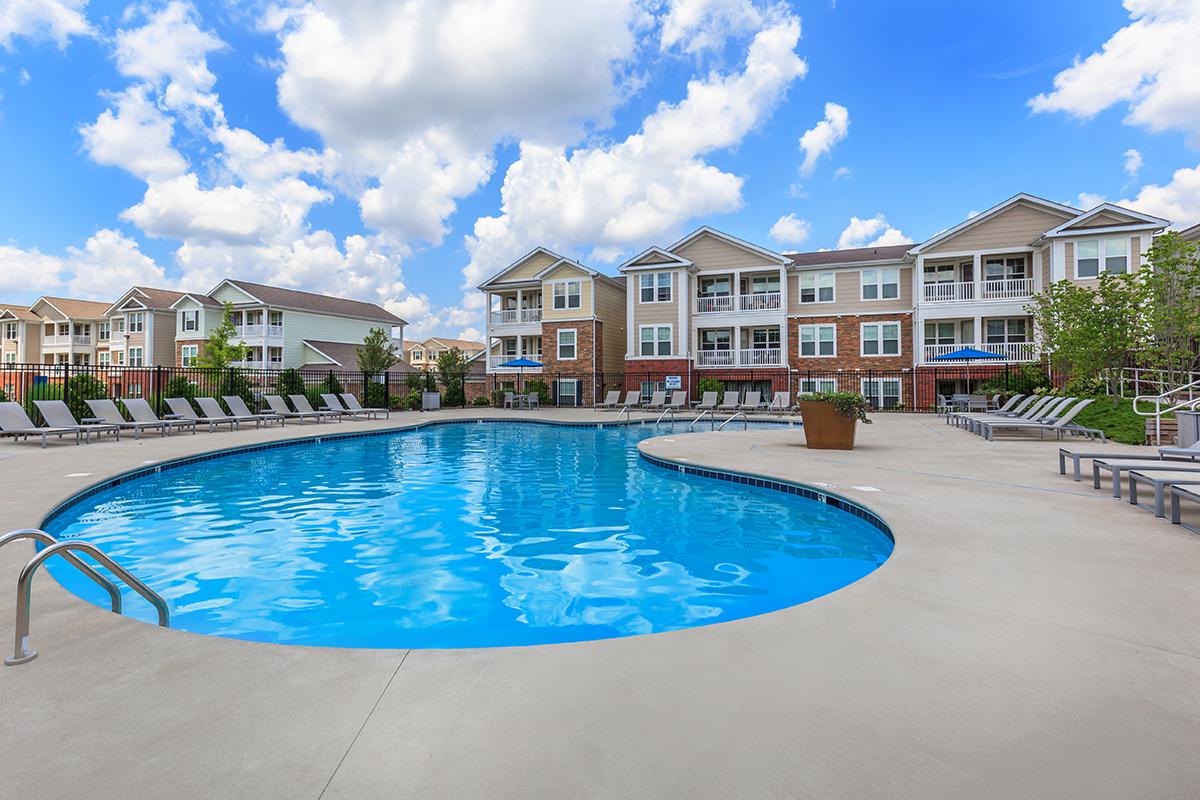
pixel 66 390
pixel 158 387
pixel 387 390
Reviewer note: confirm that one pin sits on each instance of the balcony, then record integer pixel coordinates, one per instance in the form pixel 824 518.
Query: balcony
pixel 63 340
pixel 757 301
pixel 712 305
pixel 1008 289
pixel 763 357
pixel 513 316
pixel 949 292
pixel 494 362
pixel 1008 351
pixel 993 289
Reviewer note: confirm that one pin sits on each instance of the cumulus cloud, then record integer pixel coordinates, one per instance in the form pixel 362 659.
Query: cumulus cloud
pixel 613 197
pixel 1150 66
pixel 696 25
pixel 135 136
pixel 108 259
pixel 1178 200
pixel 820 139
pixel 170 51
pixel 1133 162
pixel 871 232
pixel 42 20
pixel 789 230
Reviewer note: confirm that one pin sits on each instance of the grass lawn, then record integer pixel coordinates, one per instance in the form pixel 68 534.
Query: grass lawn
pixel 1114 416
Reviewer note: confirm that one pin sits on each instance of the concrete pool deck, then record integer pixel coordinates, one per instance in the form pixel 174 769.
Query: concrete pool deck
pixel 1030 637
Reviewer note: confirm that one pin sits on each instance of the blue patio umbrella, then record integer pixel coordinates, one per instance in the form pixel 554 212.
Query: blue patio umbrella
pixel 967 354
pixel 521 363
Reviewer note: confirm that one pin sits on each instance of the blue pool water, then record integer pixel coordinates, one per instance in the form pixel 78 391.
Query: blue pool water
pixel 463 536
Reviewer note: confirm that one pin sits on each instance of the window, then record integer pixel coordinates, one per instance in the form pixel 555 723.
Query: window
pixel 816 287
pixel 812 386
pixel 566 344
pixel 135 390
pixel 939 273
pixel 119 358
pixel 882 392
pixel 656 340
pixel 64 329
pixel 880 284
pixel 881 339
pixel 818 341
pixel 10 358
pixel 999 269
pixel 939 333
pixel 764 339
pixel 10 330
pixel 104 331
pixel 191 320
pixel 275 318
pixel 136 322
pixel 567 294
pixel 760 284
pixel 655 287
pixel 1092 255
pixel 417 355
pixel 716 340
pixel 83 329
pixel 716 287
pixel 104 358
pixel 274 355
pixel 1116 255
pixel 119 325
pixel 135 356
pixel 188 354
pixel 1000 331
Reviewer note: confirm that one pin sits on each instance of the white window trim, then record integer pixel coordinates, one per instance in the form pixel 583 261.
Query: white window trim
pixel 558 344
pixel 188 354
pixel 862 283
pixel 656 328
pixel 817 288
pixel 656 275
pixel 862 388
pixel 1101 258
pixel 816 339
pixel 862 339
pixel 183 320
pixel 566 295
pixel 141 356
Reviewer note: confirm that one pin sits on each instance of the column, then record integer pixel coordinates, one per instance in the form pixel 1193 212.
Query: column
pixel 977 270
pixel 977 334
pixel 737 344
pixel 520 304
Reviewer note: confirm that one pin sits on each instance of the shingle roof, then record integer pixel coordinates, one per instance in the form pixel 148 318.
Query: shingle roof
pixel 323 304
pixel 20 312
pixel 77 309
pixel 461 344
pixel 158 298
pixel 850 256
pixel 346 356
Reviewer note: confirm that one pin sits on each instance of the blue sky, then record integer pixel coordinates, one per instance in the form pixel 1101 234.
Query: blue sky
pixel 398 152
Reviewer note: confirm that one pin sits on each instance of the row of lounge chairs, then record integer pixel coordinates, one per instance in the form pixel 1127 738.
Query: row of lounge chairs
pixel 1027 414
pixel 732 402
pixel 1171 477
pixel 107 418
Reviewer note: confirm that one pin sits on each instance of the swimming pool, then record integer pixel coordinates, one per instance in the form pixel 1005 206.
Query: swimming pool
pixel 462 535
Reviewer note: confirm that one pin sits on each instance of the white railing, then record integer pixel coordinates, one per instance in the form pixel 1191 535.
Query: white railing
pixel 949 292
pixel 716 358
pixel 761 301
pixel 1168 402
pixel 1008 351
pixel 66 339
pixel 764 357
pixel 513 316
pixel 248 331
pixel 494 362
pixel 83 340
pixel 254 364
pixel 275 331
pixel 1008 289
pixel 711 305
pixel 531 315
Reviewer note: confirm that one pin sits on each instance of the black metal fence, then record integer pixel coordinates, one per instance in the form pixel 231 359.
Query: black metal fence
pixel 899 390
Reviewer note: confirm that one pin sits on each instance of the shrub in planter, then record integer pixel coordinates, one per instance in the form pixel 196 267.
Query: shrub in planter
pixel 831 419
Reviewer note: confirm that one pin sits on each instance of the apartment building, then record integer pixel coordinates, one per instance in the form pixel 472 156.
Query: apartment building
pixel 139 329
pixel 424 355
pixel 283 328
pixel 71 330
pixel 20 335
pixel 559 313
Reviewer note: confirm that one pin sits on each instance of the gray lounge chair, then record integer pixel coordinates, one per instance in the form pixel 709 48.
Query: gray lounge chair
pixel 182 409
pixel 333 403
pixel 751 403
pixel 781 402
pixel 1159 482
pixel 238 408
pixel 1179 494
pixel 959 418
pixel 1075 458
pixel 1116 466
pixel 301 404
pixel 280 407
pixel 141 411
pixel 107 411
pixel 1192 451
pixel 730 403
pixel 16 423
pixel 989 428
pixel 58 415
pixel 678 400
pixel 632 398
pixel 656 402
pixel 352 403
pixel 612 401
pixel 212 412
pixel 708 402
pixel 1034 413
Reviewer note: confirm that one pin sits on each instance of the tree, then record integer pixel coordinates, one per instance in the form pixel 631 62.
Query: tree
pixel 290 381
pixel 452 370
pixel 1172 308
pixel 219 352
pixel 378 352
pixel 1088 333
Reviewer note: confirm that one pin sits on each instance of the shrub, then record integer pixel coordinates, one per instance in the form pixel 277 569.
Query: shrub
pixel 331 385
pixel 3 397
pixel 413 401
pixel 1026 379
pixel 180 387
pixel 375 395
pixel 290 381
pixel 480 401
pixel 1114 416
pixel 709 385
pixel 233 382
pixel 543 390
pixel 848 404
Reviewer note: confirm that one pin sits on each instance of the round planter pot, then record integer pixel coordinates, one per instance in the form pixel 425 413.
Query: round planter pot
pixel 826 428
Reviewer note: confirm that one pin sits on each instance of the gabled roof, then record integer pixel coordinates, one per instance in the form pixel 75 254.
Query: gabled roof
pixel 653 257
pixel 461 344
pixel 1079 223
pixel 148 298
pixel 18 312
pixel 196 297
pixel 341 355
pixel 855 255
pixel 1191 234
pixel 1041 202
pixel 520 261
pixel 297 300
pixel 704 229
pixel 566 262
pixel 74 309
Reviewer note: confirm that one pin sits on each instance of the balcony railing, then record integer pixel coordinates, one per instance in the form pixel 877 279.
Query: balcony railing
pixel 710 305
pixel 248 331
pixel 765 357
pixel 67 339
pixel 761 301
pixel 994 289
pixel 513 316
pixel 1008 289
pixel 275 331
pixel 949 292
pixel 1008 351
pixel 494 362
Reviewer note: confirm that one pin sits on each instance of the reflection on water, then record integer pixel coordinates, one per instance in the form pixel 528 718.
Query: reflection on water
pixel 464 536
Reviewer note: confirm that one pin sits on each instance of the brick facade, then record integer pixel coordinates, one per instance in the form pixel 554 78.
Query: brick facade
pixel 179 349
pixel 848 338
pixel 588 354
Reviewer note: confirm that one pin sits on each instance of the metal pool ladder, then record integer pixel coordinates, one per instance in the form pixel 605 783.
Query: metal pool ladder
pixel 738 415
pixel 22 652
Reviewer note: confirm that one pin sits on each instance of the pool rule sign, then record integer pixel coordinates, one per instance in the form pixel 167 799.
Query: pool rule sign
pixel 673 382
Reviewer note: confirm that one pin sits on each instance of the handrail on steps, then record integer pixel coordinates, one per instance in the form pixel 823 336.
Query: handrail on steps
pixel 1158 400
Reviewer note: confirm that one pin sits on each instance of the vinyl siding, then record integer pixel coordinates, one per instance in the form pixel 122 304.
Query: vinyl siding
pixel 847 294
pixel 231 294
pixel 1045 267
pixel 1069 250
pixel 209 319
pixel 1104 219
pixel 586 292
pixel 1016 226
pixel 711 254
pixel 657 313
pixel 610 309
pixel 164 338
pixel 652 258
pixel 300 325
pixel 530 267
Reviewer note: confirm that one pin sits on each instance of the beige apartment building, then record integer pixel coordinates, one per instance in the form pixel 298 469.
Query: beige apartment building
pixel 423 355
pixel 140 329
pixel 20 335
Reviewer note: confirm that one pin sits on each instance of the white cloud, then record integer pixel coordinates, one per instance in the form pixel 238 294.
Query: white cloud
pixel 820 139
pixel 170 51
pixel 1150 65
pixel 871 232
pixel 24 77
pixel 1133 162
pixel 696 25
pixel 42 20
pixel 134 136
pixel 615 196
pixel 788 230
pixel 1088 200
pixel 108 260
pixel 1178 200
pixel 843 173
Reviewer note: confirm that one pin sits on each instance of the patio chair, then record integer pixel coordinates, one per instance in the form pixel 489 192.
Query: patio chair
pixel 1022 411
pixel 181 409
pixel 633 398
pixel 239 409
pixel 612 401
pixel 730 403
pixel 509 399
pixel 213 412
pixel 1160 483
pixel 16 423
pixel 301 404
pixel 58 415
pixel 280 407
pixel 990 427
pixel 751 403
pixel 1191 451
pixel 353 405
pixel 708 402
pixel 1046 414
pixel 656 402
pixel 533 400
pixel 141 411
pixel 107 410
pixel 1178 494
pixel 333 403
pixel 678 400
pixel 780 403
pixel 1115 466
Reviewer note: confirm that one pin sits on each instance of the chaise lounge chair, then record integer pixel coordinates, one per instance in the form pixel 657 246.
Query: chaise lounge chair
pixel 58 415
pixel 181 408
pixel 279 406
pixel 333 403
pixel 751 403
pixel 1116 465
pixel 141 411
pixel 302 405
pixel 16 423
pixel 353 405
pixel 730 403
pixel 780 403
pixel 107 411
pixel 213 412
pixel 612 401
pixel 239 409
pixel 1038 411
pixel 708 402
pixel 1159 483
pixel 989 428
pixel 656 402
